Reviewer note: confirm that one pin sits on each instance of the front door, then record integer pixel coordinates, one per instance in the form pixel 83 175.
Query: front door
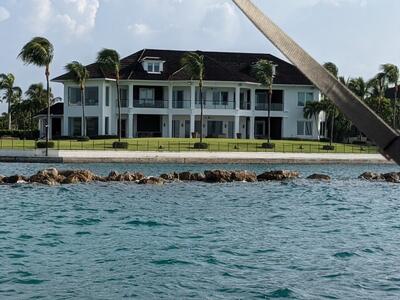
pixel 260 129
pixel 175 128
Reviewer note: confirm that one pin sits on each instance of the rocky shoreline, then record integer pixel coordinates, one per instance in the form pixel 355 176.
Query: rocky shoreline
pixel 54 177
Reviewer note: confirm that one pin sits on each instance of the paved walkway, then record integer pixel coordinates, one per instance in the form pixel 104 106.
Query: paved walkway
pixel 189 157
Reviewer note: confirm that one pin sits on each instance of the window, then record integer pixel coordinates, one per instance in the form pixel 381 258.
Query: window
pixel 216 98
pixel 107 96
pixel 153 67
pixel 92 126
pixel 146 96
pixel 224 98
pixel 123 94
pixel 304 97
pixel 75 126
pixel 304 128
pixel 106 125
pixel 91 96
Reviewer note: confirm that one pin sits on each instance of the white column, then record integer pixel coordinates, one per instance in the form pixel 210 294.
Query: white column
pixel 252 120
pixel 192 123
pixel 237 98
pixel 170 93
pixel 193 96
pixel 237 126
pixel 51 128
pixel 130 126
pixel 65 124
pixel 134 126
pixel 253 99
pixel 170 125
pixel 130 95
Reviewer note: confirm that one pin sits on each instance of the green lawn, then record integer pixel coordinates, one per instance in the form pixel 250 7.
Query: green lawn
pixel 220 145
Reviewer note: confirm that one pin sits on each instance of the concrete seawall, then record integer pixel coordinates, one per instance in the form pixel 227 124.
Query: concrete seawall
pixel 64 156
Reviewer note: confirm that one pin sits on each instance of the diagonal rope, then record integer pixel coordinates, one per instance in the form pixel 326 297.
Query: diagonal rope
pixel 359 113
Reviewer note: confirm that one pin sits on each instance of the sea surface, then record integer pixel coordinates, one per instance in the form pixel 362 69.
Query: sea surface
pixel 267 240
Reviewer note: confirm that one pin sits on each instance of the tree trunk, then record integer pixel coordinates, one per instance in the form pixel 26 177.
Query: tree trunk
pixel 332 126
pixel 269 113
pixel 48 110
pixel 201 111
pixel 83 111
pixel 9 114
pixel 395 107
pixel 119 112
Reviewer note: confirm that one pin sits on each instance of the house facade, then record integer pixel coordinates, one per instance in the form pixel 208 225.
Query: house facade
pixel 159 99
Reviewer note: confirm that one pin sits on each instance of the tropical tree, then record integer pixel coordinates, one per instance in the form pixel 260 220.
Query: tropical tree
pixel 40 52
pixel 264 73
pixel 328 106
pixel 11 94
pixel 311 110
pixel 36 97
pixel 359 87
pixel 109 60
pixel 80 74
pixel 377 87
pixel 193 64
pixel 393 77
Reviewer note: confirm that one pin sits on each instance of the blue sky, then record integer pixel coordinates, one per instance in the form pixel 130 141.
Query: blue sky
pixel 358 35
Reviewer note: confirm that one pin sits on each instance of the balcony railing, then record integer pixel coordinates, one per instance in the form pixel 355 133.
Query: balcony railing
pixel 181 104
pixel 245 105
pixel 150 103
pixel 210 104
pixel 274 106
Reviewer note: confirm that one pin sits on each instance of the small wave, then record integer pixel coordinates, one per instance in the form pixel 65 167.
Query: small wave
pixel 25 237
pixel 170 262
pixel 86 222
pixel 82 233
pixel 32 281
pixel 146 223
pixel 344 254
pixel 281 293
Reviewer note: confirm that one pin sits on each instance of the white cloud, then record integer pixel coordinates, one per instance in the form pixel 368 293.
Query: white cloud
pixel 140 29
pixel 4 14
pixel 73 17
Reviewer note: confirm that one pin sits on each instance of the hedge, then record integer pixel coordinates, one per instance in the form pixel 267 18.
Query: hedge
pixel 21 134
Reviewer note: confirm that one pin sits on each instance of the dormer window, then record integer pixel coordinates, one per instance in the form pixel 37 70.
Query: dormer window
pixel 153 65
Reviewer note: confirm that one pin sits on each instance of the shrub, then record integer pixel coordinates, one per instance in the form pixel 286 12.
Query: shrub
pixel 328 147
pixel 21 134
pixel 120 145
pixel 104 137
pixel 200 146
pixel 42 144
pixel 83 139
pixel 268 146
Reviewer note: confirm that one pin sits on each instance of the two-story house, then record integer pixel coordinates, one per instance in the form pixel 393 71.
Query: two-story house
pixel 159 99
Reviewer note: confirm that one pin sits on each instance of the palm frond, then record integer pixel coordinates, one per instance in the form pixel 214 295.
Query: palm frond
pixel 264 72
pixel 78 72
pixel 109 60
pixel 39 51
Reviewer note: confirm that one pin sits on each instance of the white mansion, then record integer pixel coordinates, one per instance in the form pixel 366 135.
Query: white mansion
pixel 159 100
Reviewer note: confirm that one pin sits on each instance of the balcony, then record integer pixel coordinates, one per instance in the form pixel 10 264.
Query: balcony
pixel 245 105
pixel 210 104
pixel 274 106
pixel 181 104
pixel 149 103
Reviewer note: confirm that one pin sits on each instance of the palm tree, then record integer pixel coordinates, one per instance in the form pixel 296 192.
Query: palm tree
pixel 393 77
pixel 264 73
pixel 37 97
pixel 193 64
pixel 11 93
pixel 40 52
pixel 312 110
pixel 80 75
pixel 328 106
pixel 109 60
pixel 377 87
pixel 359 87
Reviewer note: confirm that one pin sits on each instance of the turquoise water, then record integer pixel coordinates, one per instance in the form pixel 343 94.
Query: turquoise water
pixel 294 240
